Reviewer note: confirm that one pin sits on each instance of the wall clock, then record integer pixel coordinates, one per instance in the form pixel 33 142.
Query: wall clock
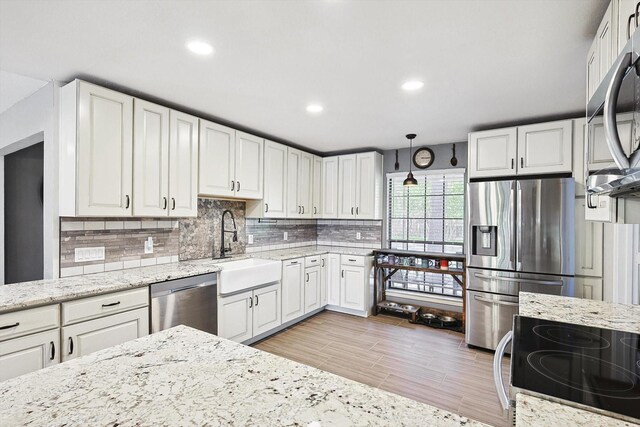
pixel 423 157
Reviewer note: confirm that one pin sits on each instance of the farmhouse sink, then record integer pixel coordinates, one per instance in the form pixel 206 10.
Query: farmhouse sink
pixel 247 273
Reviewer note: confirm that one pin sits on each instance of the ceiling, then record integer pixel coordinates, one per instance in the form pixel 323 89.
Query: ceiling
pixel 483 62
pixel 14 87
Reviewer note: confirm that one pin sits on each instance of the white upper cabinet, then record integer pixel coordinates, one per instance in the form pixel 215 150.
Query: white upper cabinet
pixel 316 202
pixel 369 186
pixel 231 162
pixel 347 177
pixel 275 179
pixel 541 148
pixel 216 160
pixel 607 49
pixel 122 157
pixel 545 148
pixel 294 209
pixel 165 160
pixel 305 184
pixel 492 153
pixel 248 170
pixel 593 69
pixel 150 159
pixel 329 187
pixel 96 151
pixel 589 243
pixel 183 165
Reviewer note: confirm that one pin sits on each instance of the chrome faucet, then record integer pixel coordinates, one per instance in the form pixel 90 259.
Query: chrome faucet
pixel 223 249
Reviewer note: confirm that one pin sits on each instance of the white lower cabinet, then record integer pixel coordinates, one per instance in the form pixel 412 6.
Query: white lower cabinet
pixel 352 287
pixel 333 279
pixel 87 337
pixel 235 317
pixel 248 314
pixel 589 288
pixel 30 353
pixel 323 280
pixel 312 289
pixel 292 289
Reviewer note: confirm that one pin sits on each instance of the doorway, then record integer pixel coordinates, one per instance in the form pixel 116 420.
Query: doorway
pixel 23 210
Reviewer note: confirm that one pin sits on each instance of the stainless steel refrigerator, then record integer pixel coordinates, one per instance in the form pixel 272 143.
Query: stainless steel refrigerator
pixel 520 237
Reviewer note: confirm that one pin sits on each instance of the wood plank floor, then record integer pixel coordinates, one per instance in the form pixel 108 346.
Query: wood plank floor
pixel 425 364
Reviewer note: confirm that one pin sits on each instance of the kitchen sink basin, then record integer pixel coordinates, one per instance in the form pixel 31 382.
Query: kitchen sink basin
pixel 247 273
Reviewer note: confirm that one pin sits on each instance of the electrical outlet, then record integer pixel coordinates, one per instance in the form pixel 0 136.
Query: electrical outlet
pixel 148 245
pixel 89 254
pixel 286 235
pixel 250 239
pixel 358 236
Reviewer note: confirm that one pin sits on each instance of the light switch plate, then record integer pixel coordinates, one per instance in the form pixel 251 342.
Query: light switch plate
pixel 148 245
pixel 358 236
pixel 286 235
pixel 89 254
pixel 250 239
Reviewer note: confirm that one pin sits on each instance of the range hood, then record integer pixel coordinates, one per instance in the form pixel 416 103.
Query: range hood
pixel 615 183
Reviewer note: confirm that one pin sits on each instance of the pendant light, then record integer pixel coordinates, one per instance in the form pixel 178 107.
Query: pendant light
pixel 410 181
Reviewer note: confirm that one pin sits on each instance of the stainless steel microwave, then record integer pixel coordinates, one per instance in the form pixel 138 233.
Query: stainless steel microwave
pixel 613 115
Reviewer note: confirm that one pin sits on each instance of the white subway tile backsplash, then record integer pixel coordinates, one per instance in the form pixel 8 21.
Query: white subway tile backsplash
pixel 132 263
pixel 72 226
pixel 163 260
pixel 132 225
pixel 111 266
pixel 71 271
pixel 165 224
pixel 93 268
pixel 93 225
pixel 149 224
pixel 114 225
pixel 144 262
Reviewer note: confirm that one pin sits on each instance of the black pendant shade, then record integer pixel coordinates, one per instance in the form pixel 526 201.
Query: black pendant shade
pixel 410 180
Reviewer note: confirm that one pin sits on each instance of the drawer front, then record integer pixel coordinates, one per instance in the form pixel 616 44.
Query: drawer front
pixel 295 261
pixel 312 261
pixel 103 305
pixel 29 321
pixel 352 260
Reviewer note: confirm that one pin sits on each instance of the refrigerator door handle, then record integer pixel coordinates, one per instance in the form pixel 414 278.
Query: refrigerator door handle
pixel 518 280
pixel 512 231
pixel 518 220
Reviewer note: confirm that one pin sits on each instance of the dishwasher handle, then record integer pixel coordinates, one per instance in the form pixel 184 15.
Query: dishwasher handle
pixel 497 370
pixel 199 285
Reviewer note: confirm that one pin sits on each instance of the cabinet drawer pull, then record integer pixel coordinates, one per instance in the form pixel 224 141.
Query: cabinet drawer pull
pixel 112 304
pixel 314 260
pixel 352 260
pixel 342 274
pixel 323 262
pixel 357 210
pixel 257 300
pixel 9 326
pixel 53 351
pixel 233 185
pixel 303 210
pixel 513 163
pixel 238 186
pixel 294 262
pixel 128 201
pixel 266 207
pixel 250 302
pixel 315 210
pixel 351 210
pixel 166 203
pixel 307 277
pixel 521 162
pixel 173 204
pixel 70 345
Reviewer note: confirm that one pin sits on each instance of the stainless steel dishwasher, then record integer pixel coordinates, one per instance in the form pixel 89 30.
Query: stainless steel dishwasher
pixel 192 301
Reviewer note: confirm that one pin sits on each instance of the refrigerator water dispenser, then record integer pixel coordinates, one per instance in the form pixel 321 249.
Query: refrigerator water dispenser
pixel 484 240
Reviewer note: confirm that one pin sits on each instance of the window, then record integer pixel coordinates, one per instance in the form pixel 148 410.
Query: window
pixel 428 217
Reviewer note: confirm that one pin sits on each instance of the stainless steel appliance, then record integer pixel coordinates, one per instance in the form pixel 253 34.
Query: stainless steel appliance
pixel 613 113
pixel 520 238
pixel 584 366
pixel 191 301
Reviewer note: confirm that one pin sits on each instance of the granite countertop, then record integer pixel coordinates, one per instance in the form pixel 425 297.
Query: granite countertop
pixel 533 410
pixel 182 376
pixel 581 311
pixel 23 295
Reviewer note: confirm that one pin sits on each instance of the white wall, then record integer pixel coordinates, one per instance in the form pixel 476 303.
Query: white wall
pixel 32 120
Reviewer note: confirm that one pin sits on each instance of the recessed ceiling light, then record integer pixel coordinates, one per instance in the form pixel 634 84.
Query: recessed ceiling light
pixel 200 47
pixel 412 85
pixel 314 108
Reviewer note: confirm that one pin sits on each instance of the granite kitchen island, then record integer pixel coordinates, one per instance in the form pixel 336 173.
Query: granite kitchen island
pixel 183 376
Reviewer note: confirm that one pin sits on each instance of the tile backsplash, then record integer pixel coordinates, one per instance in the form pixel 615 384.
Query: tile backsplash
pixel 196 238
pixel 123 240
pixel 332 232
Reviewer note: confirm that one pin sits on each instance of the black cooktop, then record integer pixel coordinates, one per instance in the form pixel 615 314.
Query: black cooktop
pixel 592 366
